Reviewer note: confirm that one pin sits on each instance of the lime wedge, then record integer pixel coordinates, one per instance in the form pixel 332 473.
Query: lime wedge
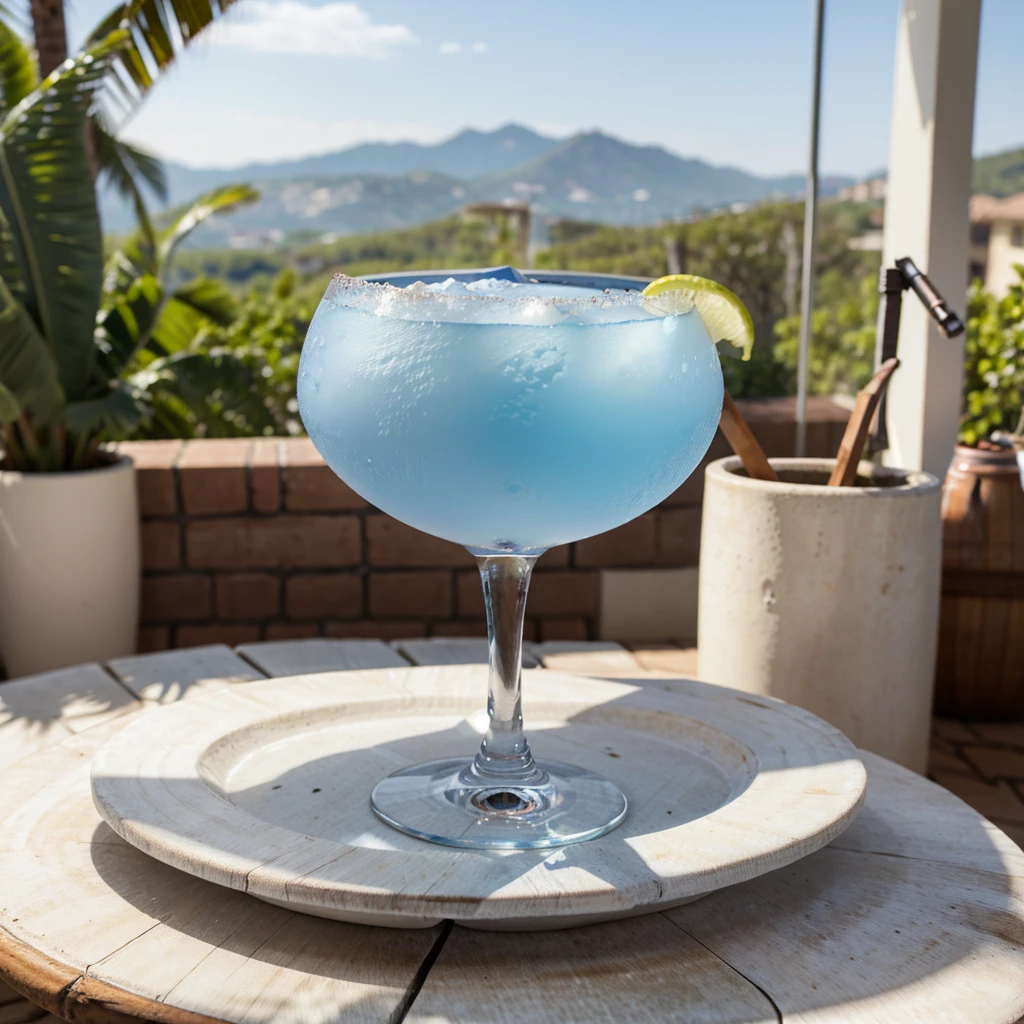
pixel 724 315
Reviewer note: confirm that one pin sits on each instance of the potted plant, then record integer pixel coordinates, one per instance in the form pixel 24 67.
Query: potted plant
pixel 980 670
pixel 69 547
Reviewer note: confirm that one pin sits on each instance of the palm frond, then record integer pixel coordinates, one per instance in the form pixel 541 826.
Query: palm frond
pixel 160 30
pixel 126 326
pixel 176 329
pixel 220 387
pixel 49 200
pixel 10 408
pixel 113 415
pixel 210 298
pixel 219 200
pixel 18 75
pixel 127 171
pixel 10 257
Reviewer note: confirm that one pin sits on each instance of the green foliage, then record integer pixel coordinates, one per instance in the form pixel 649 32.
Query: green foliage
pixel 18 76
pixel 842 346
pixel 1001 174
pixel 993 361
pixel 69 329
pixel 750 253
pixel 233 379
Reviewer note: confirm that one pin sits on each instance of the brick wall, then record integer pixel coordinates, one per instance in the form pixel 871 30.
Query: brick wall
pixel 256 539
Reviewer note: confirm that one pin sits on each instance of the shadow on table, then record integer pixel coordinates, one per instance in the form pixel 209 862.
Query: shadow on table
pixel 917 885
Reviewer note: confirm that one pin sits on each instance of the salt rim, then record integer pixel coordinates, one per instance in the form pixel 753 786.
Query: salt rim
pixel 418 303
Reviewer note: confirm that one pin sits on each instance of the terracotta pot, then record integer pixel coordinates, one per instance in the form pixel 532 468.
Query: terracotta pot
pixel 69 567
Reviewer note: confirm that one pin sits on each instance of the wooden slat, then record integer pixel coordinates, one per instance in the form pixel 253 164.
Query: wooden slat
pixel 983 583
pixel 673 660
pixel 172 675
pixel 295 657
pixel 36 711
pixel 461 650
pixel 602 658
pixel 851 448
pixel 744 444
pixel 641 969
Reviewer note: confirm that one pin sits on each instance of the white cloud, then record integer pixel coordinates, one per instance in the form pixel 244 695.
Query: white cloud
pixel 334 29
pixel 240 136
pixel 479 47
pixel 449 49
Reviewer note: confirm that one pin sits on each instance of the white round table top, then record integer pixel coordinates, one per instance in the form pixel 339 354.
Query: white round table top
pixel 914 913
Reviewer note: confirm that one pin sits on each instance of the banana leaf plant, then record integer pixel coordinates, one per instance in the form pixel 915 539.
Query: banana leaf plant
pixel 158 30
pixel 64 344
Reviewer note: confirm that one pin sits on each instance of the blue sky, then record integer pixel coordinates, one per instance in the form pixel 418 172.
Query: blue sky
pixel 727 81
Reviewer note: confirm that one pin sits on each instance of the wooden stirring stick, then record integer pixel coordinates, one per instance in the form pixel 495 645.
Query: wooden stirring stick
pixel 743 442
pixel 852 446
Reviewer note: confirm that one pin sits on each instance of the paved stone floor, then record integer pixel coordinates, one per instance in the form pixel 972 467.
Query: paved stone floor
pixel 983 763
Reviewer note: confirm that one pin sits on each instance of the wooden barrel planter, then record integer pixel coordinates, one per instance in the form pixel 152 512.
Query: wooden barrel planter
pixel 980 670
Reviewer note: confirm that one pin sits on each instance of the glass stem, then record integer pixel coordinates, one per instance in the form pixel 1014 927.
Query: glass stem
pixel 504 751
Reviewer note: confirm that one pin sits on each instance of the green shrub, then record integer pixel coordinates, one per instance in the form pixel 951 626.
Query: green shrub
pixel 993 361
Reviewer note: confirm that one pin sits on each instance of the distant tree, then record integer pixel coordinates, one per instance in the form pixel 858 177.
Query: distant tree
pixel 842 348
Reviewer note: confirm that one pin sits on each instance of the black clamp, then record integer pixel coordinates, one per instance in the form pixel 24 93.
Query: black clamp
pixel 893 282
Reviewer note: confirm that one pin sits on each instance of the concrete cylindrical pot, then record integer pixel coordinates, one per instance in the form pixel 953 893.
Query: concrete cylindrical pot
pixel 826 597
pixel 69 567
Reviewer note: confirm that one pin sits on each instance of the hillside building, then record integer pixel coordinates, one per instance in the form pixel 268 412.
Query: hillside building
pixel 997 240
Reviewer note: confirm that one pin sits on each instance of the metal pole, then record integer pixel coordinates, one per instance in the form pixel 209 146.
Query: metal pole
pixel 810 238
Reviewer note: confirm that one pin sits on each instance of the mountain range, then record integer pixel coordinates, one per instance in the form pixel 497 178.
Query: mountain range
pixel 380 186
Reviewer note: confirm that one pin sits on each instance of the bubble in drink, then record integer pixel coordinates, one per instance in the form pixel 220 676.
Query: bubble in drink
pixel 507 417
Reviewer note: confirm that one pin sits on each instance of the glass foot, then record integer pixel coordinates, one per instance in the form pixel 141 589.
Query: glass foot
pixel 451 802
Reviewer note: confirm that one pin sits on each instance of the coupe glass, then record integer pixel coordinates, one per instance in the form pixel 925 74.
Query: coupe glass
pixel 507 416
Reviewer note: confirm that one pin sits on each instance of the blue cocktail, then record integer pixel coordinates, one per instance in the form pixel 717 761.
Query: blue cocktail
pixel 507 416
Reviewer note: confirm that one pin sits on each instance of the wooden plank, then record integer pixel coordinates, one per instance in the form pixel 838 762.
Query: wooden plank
pixel 599 658
pixel 461 650
pixel 296 657
pixel 639 969
pixel 851 448
pixel 169 676
pixel 673 660
pixel 36 711
pixel 744 444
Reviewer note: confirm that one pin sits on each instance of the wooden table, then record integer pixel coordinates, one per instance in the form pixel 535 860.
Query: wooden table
pixel 916 913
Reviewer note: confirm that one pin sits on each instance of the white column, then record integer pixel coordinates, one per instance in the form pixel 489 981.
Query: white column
pixel 926 218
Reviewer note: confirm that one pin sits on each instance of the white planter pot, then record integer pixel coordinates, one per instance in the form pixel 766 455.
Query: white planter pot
pixel 826 597
pixel 69 567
